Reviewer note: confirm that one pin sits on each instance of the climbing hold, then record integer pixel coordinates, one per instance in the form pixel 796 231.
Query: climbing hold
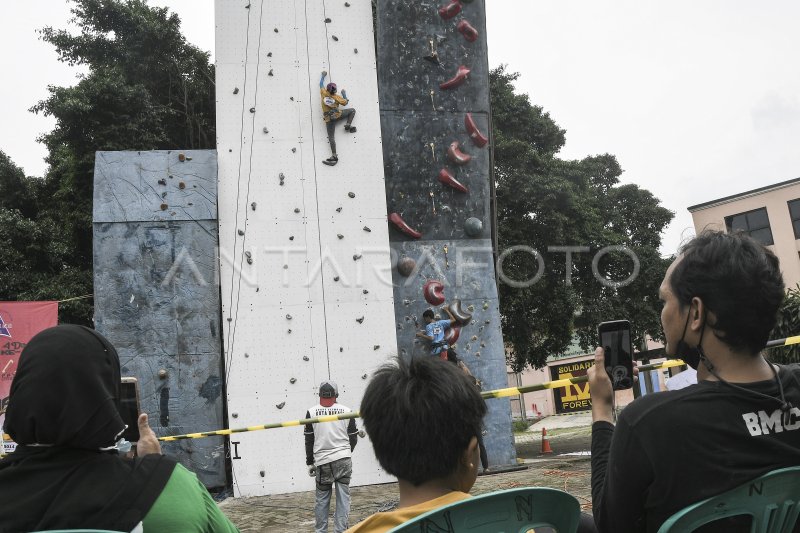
pixel 452 334
pixel 280 405
pixel 229 319
pixel 340 236
pixel 265 130
pixel 164 194
pixel 291 98
pixel 292 380
pixel 335 38
pixel 162 374
pixel 365 291
pixel 356 257
pixel 269 54
pixel 286 267
pixel 276 30
pixel 362 377
pixel 235 90
pixel 181 158
pixel 181 185
pixel 253 206
pixel 360 320
pixel 305 358
pixel 400 224
pixel 483 345
pixel 470 308
pixel 288 317
pixel 455 81
pixel 341 349
pixel 366 228
pixel 246 355
pixel 376 347
pixel 405 266
pixel 335 278
pixel 164 207
pixel 289 331
pixel 406 302
pixel 294 150
pixel 240 232
pixel 474 338
pixel 469 32
pixel 247 6
pixel 477 354
pixel 249 260
pixel 347 4
pixel 351 194
pixel 291 237
pixel 339 209
pixel 248 255
pixel 252 109
pixel 446 178
pixel 355 50
pixel 478 139
pixel 456 156
pixel 262 473
pixel 162 181
pixel 296 209
pixel 460 315
pixel 473 227
pixel 327 20
pixel 450 10
pixel 269 73
pixel 433 291
pixel 235 415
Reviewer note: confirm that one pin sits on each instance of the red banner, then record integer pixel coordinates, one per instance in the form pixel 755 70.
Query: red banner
pixel 19 321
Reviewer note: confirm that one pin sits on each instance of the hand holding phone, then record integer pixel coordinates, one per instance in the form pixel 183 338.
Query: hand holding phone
pixel 615 339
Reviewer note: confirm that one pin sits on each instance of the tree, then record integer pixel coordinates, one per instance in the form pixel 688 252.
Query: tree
pixel 545 202
pixel 788 326
pixel 146 89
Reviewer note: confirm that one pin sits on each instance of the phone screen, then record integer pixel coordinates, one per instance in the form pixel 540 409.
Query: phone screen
pixel 129 408
pixel 615 339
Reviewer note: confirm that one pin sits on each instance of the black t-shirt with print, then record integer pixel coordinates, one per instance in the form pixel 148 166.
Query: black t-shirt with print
pixel 675 448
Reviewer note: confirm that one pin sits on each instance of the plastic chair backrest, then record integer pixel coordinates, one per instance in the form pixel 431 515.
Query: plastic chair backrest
pixel 504 511
pixel 79 531
pixel 773 500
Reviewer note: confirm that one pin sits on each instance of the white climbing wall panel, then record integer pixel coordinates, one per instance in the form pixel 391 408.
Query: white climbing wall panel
pixel 304 247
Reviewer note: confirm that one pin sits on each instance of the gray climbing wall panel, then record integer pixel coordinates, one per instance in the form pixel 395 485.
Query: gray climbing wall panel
pixel 157 293
pixel 438 123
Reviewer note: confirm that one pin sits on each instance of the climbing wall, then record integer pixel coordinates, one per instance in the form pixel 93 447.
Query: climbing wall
pixel 434 98
pixel 155 292
pixel 304 247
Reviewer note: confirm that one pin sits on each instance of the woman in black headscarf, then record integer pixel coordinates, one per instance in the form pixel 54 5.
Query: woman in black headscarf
pixel 63 413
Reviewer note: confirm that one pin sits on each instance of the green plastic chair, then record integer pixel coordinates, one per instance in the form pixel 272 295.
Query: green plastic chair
pixel 79 531
pixel 772 500
pixel 504 511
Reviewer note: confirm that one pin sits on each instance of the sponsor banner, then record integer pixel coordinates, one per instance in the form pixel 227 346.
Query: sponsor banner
pixel 19 321
pixel 575 396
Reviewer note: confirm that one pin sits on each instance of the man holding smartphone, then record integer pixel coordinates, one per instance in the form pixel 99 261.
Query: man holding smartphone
pixel 741 420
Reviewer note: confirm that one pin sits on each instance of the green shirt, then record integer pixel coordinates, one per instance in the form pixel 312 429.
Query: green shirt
pixel 185 505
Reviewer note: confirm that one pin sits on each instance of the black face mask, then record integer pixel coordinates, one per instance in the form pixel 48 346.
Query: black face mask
pixel 690 355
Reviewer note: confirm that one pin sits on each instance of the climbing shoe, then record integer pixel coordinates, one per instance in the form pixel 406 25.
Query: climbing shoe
pixel 332 160
pixel 349 128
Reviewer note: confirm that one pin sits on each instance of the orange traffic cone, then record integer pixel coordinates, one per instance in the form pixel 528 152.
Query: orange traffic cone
pixel 545 442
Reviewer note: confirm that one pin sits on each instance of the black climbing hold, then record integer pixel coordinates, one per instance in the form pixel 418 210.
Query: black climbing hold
pixel 247 6
pixel 240 232
pixel 294 150
pixel 230 319
pixel 265 130
pixel 293 381
pixel 305 358
pixel 164 194
pixel 164 207
pixel 364 376
pixel 253 206
pixel 327 20
pixel 269 54
pixel 335 38
pixel 291 98
pixel 365 291
pixel 376 347
pixel 296 209
pixel 341 349
pixel 291 237
pixel 360 320
pixel 355 50
pixel 235 90
pixel 262 473
pixel 335 278
pixel 289 331
pixel 252 109
pixel 288 317
pixel 162 182
pixel 351 194
pixel 249 260
pixel 356 257
pixel 248 255
pixel 347 4
pixel 280 405
pixel 269 73
pixel 366 228
pixel 338 209
pixel 276 30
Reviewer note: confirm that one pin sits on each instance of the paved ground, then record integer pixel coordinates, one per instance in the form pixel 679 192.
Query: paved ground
pixel 295 512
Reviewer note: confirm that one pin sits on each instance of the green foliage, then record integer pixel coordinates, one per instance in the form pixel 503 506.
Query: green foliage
pixel 146 89
pixel 788 326
pixel 544 201
pixel 520 426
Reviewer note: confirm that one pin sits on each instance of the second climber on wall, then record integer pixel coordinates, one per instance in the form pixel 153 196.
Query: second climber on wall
pixel 331 113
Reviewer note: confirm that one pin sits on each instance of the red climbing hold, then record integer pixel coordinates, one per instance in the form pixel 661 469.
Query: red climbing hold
pixel 478 139
pixel 450 10
pixel 433 292
pixel 455 81
pixel 398 221
pixel 447 179
pixel 456 156
pixel 452 334
pixel 466 29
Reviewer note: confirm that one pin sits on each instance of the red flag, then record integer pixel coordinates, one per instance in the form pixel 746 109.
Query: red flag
pixel 19 321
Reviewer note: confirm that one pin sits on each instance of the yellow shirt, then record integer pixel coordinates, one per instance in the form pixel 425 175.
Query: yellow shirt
pixel 330 104
pixel 381 522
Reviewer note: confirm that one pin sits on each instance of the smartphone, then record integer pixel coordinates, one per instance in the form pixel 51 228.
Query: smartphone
pixel 129 408
pixel 615 339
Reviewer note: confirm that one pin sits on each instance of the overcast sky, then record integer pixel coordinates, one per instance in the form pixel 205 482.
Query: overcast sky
pixel 697 99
